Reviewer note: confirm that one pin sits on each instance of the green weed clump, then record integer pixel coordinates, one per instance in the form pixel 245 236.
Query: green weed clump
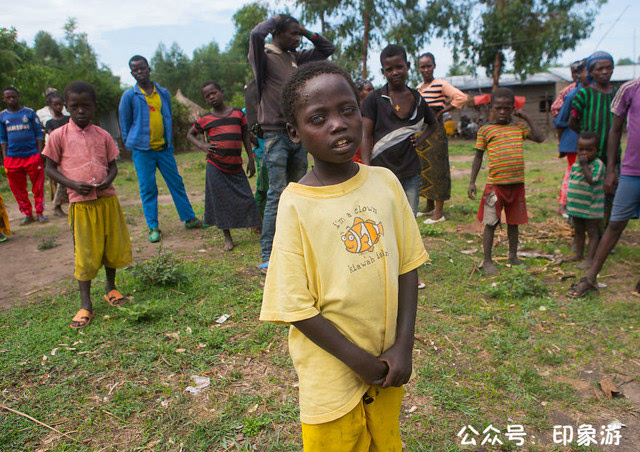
pixel 47 243
pixel 138 311
pixel 517 284
pixel 163 269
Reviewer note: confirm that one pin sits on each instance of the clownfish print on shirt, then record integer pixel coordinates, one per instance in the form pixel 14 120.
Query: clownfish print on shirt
pixel 362 236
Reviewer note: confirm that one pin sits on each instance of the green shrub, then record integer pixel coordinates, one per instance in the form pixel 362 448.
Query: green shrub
pixel 516 284
pixel 163 269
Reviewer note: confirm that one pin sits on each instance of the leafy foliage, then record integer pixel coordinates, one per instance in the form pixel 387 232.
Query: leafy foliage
pixel 526 33
pixel 54 64
pixel 138 311
pixel 163 269
pixel 173 69
pixel 517 284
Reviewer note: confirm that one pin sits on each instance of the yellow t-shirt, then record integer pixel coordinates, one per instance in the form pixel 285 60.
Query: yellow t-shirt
pixel 156 126
pixel 338 251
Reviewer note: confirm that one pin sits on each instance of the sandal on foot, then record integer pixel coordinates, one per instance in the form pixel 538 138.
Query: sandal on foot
pixel 41 219
pixel 582 288
pixel 263 267
pixel 154 235
pixel 3 238
pixel 27 220
pixel 82 318
pixel 193 224
pixel 115 298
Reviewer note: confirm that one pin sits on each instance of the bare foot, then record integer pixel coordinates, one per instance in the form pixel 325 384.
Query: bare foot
pixel 256 230
pixel 574 258
pixel 58 212
pixel 228 245
pixel 489 268
pixel 513 260
pixel 584 265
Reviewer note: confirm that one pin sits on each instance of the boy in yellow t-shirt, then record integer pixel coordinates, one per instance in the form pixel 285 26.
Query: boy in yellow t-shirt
pixel 343 273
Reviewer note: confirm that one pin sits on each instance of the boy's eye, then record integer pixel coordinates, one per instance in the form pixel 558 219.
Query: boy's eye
pixel 316 119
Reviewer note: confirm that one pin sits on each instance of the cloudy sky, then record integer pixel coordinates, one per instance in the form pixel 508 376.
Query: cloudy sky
pixel 117 30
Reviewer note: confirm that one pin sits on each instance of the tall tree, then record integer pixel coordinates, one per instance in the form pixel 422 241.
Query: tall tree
pixel 491 33
pixel 358 26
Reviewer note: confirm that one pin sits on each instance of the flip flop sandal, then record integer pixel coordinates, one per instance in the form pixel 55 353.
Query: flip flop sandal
pixel 82 319
pixel 263 267
pixel 197 224
pixel 115 298
pixel 582 288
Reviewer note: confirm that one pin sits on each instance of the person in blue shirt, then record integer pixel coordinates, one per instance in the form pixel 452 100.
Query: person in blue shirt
pixel 22 141
pixel 145 123
pixel 568 138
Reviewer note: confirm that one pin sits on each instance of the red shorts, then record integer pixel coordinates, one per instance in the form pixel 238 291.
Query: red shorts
pixel 509 197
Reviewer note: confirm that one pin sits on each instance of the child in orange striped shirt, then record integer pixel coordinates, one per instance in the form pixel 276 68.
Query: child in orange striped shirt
pixel 502 139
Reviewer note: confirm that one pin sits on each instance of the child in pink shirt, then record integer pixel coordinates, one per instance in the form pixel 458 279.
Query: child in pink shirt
pixel 82 157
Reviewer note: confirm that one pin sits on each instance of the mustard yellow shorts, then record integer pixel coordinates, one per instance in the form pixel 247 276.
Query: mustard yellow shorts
pixel 100 236
pixel 372 426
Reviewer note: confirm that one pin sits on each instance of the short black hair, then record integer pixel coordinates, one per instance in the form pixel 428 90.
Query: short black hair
pixel 283 24
pixel 215 84
pixel 10 88
pixel 54 95
pixel 79 87
pixel 503 93
pixel 428 55
pixel 590 135
pixel 291 90
pixel 137 58
pixel 361 83
pixel 393 50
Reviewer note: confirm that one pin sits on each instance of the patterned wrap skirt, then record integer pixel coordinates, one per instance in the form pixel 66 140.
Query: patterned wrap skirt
pixel 434 160
pixel 228 200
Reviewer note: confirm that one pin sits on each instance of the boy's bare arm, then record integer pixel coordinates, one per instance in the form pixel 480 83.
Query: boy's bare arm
pixel 367 138
pixel 51 170
pixel 112 172
pixel 427 131
pixel 4 147
pixel 535 133
pixel 40 144
pixel 326 336
pixel 251 164
pixel 475 169
pixel 398 356
pixel 613 143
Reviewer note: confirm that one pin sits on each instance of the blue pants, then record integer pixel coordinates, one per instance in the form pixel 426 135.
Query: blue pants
pixel 146 163
pixel 285 162
pixel 411 187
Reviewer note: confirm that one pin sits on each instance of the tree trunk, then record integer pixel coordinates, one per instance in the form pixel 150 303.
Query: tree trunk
pixel 366 20
pixel 497 69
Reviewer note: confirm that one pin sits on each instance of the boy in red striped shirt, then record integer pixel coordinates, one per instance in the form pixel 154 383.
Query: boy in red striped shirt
pixel 502 140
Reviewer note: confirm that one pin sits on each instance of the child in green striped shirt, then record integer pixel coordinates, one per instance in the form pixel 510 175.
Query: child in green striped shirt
pixel 585 197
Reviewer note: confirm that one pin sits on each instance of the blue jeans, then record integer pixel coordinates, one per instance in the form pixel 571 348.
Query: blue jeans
pixel 285 162
pixel 411 187
pixel 146 163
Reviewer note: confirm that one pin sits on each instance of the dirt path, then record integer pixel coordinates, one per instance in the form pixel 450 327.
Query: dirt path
pixel 27 271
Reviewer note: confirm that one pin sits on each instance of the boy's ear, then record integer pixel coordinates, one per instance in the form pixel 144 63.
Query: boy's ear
pixel 293 133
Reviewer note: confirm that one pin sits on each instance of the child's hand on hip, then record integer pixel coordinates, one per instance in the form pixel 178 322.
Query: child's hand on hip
pixel 399 360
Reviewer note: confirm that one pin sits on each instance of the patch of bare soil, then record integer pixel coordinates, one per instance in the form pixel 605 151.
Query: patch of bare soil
pixel 27 271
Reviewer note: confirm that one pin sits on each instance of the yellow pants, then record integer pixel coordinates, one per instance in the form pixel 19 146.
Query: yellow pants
pixel 4 219
pixel 372 426
pixel 100 236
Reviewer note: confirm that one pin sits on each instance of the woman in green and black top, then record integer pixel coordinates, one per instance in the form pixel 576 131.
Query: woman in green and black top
pixel 591 108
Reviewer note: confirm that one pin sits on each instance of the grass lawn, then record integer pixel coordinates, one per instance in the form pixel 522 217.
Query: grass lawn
pixel 489 352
